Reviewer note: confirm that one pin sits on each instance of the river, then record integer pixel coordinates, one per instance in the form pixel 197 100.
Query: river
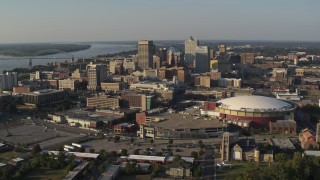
pixel 9 62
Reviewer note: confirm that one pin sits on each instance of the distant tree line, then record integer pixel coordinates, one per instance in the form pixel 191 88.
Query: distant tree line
pixel 30 49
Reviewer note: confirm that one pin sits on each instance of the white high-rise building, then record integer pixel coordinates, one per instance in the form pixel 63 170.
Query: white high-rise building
pixel 8 80
pixel 190 46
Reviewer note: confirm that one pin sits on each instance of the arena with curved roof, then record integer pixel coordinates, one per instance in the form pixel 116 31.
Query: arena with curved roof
pixel 259 109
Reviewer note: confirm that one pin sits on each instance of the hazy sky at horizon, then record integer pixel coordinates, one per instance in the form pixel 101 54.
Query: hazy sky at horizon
pixel 111 20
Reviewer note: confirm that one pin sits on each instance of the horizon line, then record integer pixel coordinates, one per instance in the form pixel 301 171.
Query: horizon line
pixel 102 41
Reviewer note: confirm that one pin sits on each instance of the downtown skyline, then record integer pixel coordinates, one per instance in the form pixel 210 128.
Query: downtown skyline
pixel 79 21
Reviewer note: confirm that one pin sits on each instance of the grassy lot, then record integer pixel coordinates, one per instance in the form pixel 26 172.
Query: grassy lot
pixel 221 173
pixel 5 156
pixel 236 168
pixel 45 173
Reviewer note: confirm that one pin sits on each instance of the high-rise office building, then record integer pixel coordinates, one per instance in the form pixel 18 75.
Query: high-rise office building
pixel 190 46
pixel 145 54
pixel 156 62
pixel 8 80
pixel 163 55
pixel 97 73
pixel 222 52
pixel 212 54
pixel 170 57
pixel 202 61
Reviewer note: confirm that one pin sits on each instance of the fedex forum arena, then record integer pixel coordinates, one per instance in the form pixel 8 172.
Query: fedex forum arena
pixel 258 109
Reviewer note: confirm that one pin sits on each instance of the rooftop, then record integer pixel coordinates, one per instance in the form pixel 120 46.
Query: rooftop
pixel 86 116
pixel 45 91
pixel 282 143
pixel 312 153
pixel 180 121
pixel 146 158
pixel 254 103
pixel 187 159
pixel 17 159
pixel 110 171
pixel 77 154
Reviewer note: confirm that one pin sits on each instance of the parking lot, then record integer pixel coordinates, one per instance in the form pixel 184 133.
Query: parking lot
pixel 179 147
pixel 29 133
pixel 52 136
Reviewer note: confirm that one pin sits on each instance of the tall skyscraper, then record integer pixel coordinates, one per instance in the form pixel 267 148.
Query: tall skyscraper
pixel 163 55
pixel 8 80
pixel 212 54
pixel 97 73
pixel 222 52
pixel 202 61
pixel 145 54
pixel 190 46
pixel 170 57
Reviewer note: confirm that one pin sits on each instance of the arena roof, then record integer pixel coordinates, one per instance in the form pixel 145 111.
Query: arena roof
pixel 254 103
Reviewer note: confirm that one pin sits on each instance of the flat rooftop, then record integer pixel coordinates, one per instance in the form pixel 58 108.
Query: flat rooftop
pixel 77 154
pixel 282 143
pixel 45 91
pixel 86 116
pixel 182 121
pixel 146 158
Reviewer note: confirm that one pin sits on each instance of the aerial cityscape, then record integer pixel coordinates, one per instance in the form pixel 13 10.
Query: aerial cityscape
pixel 125 90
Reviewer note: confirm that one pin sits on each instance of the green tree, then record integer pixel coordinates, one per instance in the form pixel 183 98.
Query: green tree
pixel 200 144
pixel 155 171
pixel 103 154
pixel 177 158
pixel 313 119
pixel 151 141
pixel 170 141
pixel 201 152
pixel 124 152
pixel 198 171
pixel 194 154
pixel 130 168
pixel 36 149
pixel 101 168
pixel 281 157
pixel 136 151
pixel 251 171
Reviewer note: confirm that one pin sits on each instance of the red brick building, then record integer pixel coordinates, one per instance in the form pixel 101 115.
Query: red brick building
pixel 141 118
pixel 283 126
pixel 209 105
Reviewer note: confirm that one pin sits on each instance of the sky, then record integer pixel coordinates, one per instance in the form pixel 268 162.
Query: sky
pixel 28 21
